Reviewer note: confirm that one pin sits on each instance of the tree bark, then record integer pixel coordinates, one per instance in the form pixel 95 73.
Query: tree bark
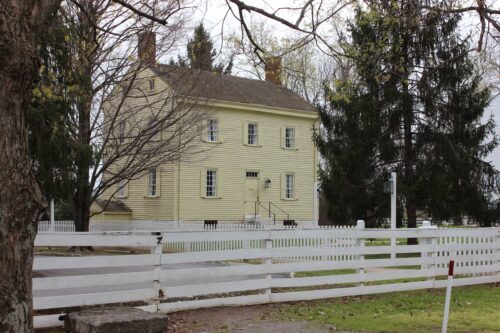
pixel 86 54
pixel 21 200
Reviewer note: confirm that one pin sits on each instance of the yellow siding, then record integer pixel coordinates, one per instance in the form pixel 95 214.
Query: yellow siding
pixel 233 157
pixel 180 184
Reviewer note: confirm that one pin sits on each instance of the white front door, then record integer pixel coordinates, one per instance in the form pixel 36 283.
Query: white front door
pixel 251 192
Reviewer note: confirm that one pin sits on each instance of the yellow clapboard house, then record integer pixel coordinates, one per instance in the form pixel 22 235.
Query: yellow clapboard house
pixel 257 162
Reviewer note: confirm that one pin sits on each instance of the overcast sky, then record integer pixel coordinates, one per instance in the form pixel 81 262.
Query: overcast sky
pixel 214 13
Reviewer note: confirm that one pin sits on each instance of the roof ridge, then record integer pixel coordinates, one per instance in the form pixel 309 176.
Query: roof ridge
pixel 227 75
pixel 225 87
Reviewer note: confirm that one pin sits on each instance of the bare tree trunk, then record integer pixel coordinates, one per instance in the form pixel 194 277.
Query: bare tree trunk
pixel 409 149
pixel 81 209
pixel 21 201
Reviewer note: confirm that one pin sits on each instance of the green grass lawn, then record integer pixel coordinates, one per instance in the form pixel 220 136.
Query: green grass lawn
pixel 474 309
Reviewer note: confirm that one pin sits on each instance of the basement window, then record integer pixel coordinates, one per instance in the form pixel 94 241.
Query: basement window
pixel 210 224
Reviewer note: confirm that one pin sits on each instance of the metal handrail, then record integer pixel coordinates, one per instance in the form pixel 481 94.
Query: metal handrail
pixel 270 212
pixel 273 204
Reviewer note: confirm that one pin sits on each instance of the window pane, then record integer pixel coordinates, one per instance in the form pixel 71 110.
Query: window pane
pixel 212 130
pixel 152 182
pixel 211 183
pixel 289 186
pixel 121 188
pixel 121 130
pixel 289 138
pixel 252 134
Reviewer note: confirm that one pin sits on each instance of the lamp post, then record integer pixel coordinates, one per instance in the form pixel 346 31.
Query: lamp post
pixel 391 187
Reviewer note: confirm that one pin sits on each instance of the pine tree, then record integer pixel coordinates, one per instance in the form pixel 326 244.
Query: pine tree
pixel 415 108
pixel 50 114
pixel 201 53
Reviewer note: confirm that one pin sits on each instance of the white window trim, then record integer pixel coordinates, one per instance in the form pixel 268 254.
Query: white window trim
pixel 214 184
pixel 148 184
pixel 294 187
pixel 293 141
pixel 121 188
pixel 256 134
pixel 208 137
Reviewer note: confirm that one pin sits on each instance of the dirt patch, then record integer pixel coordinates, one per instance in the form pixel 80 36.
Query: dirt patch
pixel 248 319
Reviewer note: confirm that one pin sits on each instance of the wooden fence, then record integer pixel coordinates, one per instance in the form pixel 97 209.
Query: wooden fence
pixel 253 267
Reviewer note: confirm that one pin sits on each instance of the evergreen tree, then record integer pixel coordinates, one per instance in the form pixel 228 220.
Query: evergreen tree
pixel 201 53
pixel 50 114
pixel 415 108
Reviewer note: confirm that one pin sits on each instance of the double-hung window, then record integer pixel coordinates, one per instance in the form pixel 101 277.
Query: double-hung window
pixel 152 190
pixel 289 186
pixel 212 130
pixel 211 190
pixel 121 130
pixel 290 137
pixel 121 188
pixel 253 134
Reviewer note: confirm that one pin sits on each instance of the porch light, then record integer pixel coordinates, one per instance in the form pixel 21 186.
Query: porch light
pixel 267 183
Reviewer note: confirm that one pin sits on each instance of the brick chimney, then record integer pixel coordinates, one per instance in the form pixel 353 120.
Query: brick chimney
pixel 273 69
pixel 146 47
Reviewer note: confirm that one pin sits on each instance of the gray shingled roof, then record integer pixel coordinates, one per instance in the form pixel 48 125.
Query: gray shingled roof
pixel 113 206
pixel 215 86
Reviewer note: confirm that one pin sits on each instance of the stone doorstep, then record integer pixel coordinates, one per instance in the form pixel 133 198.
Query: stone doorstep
pixel 115 320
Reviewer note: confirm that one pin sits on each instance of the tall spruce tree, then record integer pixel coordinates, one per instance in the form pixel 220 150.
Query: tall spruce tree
pixel 201 53
pixel 51 112
pixel 415 107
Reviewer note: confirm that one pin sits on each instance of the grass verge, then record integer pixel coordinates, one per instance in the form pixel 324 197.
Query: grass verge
pixel 473 309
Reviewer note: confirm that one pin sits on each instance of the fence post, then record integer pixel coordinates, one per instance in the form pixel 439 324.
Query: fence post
pixel 268 245
pixel 360 246
pixel 430 251
pixel 158 294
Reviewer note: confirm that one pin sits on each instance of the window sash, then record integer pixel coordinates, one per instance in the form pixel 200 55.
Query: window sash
pixel 121 131
pixel 252 134
pixel 289 137
pixel 289 189
pixel 211 185
pixel 152 183
pixel 212 130
pixel 121 188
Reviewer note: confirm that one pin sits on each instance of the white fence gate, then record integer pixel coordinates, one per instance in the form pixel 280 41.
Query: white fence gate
pixel 253 267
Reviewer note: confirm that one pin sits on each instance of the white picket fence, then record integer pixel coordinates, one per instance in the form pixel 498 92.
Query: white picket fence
pixel 255 266
pixel 159 225
pixel 58 226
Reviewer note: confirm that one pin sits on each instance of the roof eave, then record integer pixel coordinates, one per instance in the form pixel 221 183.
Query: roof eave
pixel 249 107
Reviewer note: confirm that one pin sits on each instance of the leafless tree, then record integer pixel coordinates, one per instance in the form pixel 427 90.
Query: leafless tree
pixel 21 200
pixel 303 69
pixel 125 119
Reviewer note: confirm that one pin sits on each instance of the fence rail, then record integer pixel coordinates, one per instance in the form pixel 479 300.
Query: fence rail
pixel 256 266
